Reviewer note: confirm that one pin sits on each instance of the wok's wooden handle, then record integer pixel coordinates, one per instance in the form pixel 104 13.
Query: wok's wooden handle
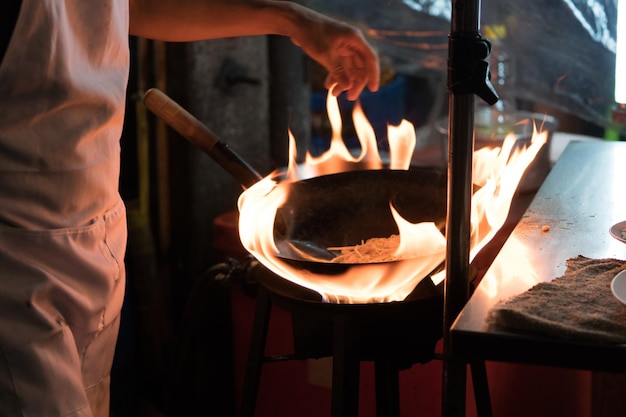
pixel 200 136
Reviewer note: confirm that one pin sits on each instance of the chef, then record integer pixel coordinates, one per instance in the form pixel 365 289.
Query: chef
pixel 63 73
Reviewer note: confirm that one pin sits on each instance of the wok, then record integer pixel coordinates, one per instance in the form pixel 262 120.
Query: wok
pixel 333 210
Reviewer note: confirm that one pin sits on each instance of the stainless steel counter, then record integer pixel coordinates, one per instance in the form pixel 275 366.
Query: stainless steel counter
pixel 582 197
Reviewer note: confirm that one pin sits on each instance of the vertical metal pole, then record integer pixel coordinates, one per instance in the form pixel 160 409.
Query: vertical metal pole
pixel 464 22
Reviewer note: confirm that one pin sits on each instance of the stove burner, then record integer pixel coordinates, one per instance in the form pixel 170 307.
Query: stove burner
pixel 393 335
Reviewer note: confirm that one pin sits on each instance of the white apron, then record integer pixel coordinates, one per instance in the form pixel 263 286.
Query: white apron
pixel 62 223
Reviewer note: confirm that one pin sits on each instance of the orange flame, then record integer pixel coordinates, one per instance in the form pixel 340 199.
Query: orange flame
pixel 338 158
pixel 497 171
pixel 511 272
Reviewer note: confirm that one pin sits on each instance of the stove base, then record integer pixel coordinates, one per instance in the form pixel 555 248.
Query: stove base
pixel 392 335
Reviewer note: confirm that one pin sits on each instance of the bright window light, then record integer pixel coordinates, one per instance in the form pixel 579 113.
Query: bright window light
pixel 620 54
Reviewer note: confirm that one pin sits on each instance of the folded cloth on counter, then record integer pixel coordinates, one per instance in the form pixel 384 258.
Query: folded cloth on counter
pixel 577 306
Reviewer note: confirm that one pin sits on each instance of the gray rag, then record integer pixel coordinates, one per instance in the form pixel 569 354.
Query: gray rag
pixel 577 306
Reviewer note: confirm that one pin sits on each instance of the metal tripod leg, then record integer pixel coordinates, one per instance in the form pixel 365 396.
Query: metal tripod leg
pixel 481 389
pixel 346 370
pixel 387 390
pixel 256 353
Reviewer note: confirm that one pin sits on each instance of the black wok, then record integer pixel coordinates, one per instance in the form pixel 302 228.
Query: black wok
pixel 334 210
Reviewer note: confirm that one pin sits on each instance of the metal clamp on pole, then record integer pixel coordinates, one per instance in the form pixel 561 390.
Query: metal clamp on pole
pixel 468 67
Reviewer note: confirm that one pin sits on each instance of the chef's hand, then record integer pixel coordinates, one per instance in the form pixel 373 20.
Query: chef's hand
pixel 342 49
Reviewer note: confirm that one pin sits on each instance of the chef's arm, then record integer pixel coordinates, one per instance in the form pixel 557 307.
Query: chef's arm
pixel 341 48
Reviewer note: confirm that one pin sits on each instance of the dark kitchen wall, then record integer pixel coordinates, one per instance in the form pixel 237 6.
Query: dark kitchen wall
pixel 248 91
pixel 223 83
